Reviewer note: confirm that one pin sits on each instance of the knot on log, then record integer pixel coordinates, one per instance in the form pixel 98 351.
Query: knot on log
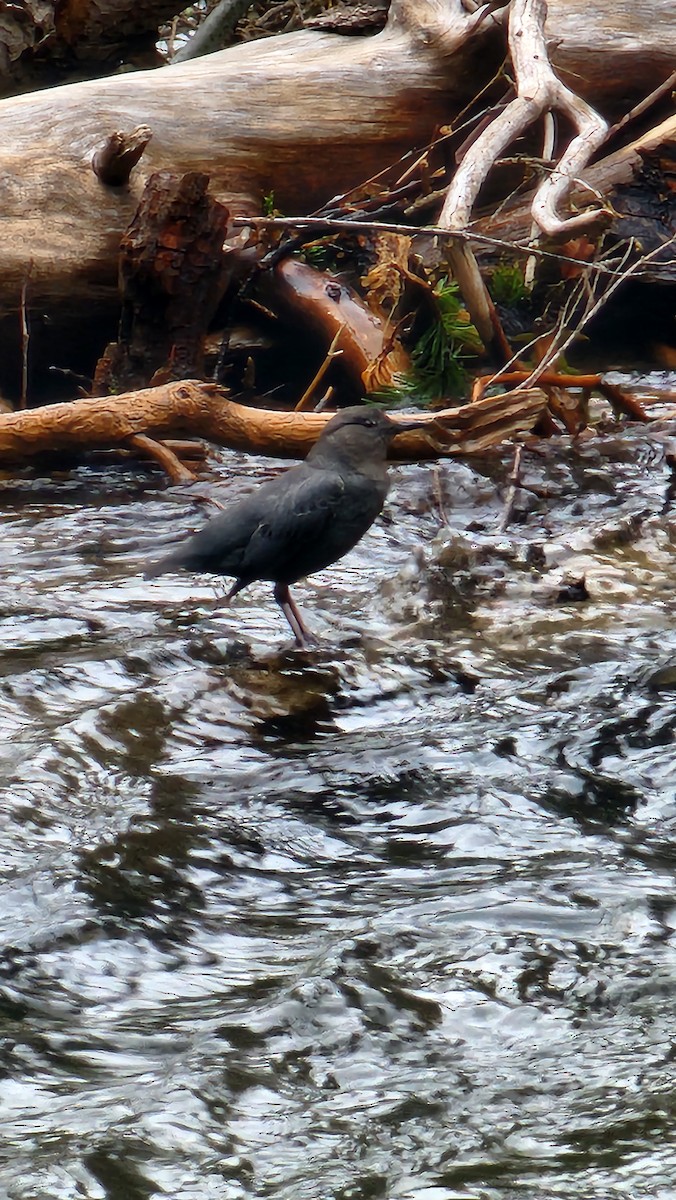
pixel 115 160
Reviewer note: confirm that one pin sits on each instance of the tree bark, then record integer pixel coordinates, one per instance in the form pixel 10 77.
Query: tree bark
pixel 171 275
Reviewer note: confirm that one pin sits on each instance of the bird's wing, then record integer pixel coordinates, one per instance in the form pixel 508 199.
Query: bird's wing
pixel 255 537
pixel 293 526
pixel 219 545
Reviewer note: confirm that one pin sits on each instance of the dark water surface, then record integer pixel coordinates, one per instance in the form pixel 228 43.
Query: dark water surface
pixel 395 918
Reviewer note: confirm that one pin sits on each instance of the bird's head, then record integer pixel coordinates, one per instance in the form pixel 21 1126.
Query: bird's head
pixel 357 434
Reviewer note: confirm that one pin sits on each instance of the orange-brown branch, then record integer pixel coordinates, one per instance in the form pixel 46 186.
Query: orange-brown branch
pixel 203 410
pixel 619 399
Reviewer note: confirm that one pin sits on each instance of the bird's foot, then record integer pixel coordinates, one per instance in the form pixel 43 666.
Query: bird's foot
pixel 305 640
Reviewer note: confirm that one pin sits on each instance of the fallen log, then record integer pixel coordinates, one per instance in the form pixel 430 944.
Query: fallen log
pixel 203 410
pixel 302 115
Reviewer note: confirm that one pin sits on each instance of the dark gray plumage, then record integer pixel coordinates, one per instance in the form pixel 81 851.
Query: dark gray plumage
pixel 303 520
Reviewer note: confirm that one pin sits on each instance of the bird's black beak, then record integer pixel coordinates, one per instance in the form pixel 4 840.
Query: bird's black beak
pixel 405 426
pixel 428 427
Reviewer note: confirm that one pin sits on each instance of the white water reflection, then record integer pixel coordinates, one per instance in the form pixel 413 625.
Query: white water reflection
pixel 395 919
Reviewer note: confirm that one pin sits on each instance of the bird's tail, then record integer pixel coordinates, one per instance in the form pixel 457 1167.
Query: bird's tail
pixel 171 562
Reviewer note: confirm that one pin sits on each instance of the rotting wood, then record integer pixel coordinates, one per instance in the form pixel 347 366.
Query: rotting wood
pixel 352 18
pixel 171 278
pixel 204 410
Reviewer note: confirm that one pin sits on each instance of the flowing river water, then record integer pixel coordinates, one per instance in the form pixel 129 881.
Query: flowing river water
pixel 393 918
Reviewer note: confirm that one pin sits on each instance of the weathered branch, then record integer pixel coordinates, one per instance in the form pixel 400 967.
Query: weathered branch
pixel 215 31
pixel 203 410
pixel 538 91
pixel 163 455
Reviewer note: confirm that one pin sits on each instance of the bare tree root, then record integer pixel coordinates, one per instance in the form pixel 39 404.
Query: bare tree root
pixel 539 91
pixel 142 418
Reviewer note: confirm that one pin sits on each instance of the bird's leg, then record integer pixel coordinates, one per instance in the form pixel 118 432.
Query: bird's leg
pixel 292 613
pixel 307 633
pixel 237 586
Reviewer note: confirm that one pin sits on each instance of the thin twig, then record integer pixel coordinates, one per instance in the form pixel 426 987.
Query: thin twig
pixel 439 495
pixel 171 39
pixel 319 225
pixel 557 379
pixel 549 379
pixel 25 336
pixel 561 342
pixel 211 500
pixel 325 400
pixel 555 351
pixel 331 353
pixel 639 109
pixel 514 481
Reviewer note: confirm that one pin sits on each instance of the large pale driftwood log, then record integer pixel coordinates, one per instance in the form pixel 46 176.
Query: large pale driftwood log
pixel 203 410
pixel 304 116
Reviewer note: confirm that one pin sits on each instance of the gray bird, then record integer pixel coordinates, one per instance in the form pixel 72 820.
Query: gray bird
pixel 303 520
